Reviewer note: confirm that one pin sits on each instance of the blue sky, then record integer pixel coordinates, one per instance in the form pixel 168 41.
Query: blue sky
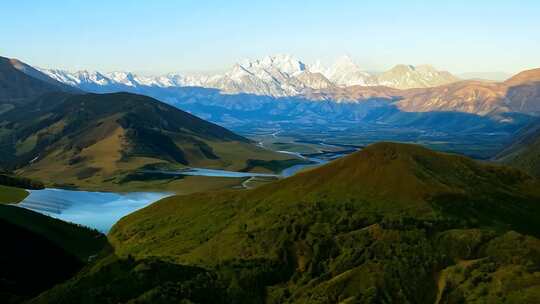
pixel 165 36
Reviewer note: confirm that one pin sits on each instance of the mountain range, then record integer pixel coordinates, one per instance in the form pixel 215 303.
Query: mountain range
pixel 277 76
pixel 433 93
pixel 409 88
pixel 284 93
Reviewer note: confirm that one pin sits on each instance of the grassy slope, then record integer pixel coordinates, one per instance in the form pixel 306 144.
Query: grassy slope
pixel 377 181
pixel 92 139
pixel 12 188
pixel 181 185
pixel 10 195
pixel 392 223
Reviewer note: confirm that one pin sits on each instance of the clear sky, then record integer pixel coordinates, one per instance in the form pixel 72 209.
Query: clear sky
pixel 166 36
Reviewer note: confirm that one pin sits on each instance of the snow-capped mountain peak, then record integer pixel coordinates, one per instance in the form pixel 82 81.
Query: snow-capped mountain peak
pixel 278 76
pixel 125 78
pixel 345 72
pixel 408 76
pixel 284 63
pixel 318 67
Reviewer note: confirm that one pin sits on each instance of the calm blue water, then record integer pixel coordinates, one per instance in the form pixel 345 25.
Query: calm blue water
pixel 99 210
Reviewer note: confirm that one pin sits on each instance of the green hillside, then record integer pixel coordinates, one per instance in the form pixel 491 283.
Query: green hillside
pixel 392 223
pixel 10 195
pixel 12 188
pixel 85 140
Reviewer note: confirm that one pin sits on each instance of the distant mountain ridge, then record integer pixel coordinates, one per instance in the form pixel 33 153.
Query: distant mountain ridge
pixel 287 94
pixel 520 93
pixel 412 88
pixel 278 76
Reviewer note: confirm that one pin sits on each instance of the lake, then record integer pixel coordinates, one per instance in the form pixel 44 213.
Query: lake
pixel 98 210
pixel 101 210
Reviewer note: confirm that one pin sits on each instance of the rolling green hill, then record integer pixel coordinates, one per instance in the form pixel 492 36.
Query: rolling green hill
pixel 12 188
pixel 393 223
pixel 524 153
pixel 84 140
pixel 10 195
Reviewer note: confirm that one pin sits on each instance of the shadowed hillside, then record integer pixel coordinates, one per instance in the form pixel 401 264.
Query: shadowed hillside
pixel 20 83
pixel 39 252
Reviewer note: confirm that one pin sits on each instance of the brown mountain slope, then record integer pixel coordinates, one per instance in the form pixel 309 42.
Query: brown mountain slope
pixel 520 93
pixel 524 77
pixel 523 92
pixel 464 96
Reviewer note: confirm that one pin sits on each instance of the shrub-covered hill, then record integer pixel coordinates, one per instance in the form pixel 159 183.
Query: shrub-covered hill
pixel 392 223
pixel 89 139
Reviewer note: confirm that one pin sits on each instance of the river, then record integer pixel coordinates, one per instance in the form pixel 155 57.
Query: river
pixel 316 159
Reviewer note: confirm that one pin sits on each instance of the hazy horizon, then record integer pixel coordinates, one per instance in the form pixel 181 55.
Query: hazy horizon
pixel 163 37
